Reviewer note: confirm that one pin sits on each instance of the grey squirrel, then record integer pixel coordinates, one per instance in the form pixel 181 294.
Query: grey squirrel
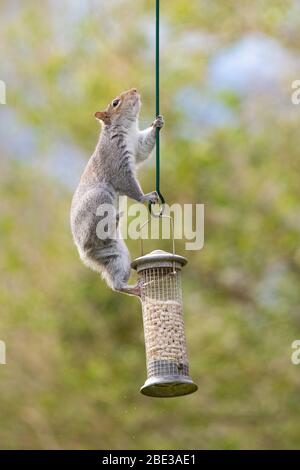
pixel 110 173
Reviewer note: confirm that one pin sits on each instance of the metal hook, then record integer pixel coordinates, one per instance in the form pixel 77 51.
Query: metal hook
pixel 162 206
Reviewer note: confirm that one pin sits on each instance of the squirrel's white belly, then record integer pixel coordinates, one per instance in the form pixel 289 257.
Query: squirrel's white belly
pixel 132 141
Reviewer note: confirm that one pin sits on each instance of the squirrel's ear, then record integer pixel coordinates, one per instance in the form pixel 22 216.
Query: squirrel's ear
pixel 102 116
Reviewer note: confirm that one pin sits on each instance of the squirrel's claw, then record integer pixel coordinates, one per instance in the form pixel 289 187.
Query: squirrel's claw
pixel 159 122
pixel 151 197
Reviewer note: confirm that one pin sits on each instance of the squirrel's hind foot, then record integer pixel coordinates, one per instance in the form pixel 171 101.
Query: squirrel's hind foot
pixel 131 290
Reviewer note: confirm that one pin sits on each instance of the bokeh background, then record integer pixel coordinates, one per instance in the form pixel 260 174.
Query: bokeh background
pixel 75 352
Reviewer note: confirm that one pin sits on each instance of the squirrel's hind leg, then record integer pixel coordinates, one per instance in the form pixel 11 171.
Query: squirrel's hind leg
pixel 117 270
pixel 130 290
pixel 113 262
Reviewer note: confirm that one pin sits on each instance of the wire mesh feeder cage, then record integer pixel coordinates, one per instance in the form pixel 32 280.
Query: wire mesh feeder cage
pixel 166 353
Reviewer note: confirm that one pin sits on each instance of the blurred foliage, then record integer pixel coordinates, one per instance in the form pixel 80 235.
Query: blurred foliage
pixel 75 349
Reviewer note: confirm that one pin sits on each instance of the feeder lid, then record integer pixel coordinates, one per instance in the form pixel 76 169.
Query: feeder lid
pixel 158 258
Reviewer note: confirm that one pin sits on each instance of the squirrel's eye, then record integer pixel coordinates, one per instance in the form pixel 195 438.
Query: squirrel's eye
pixel 116 102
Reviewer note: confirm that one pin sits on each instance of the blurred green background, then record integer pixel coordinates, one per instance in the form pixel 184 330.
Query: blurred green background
pixel 75 351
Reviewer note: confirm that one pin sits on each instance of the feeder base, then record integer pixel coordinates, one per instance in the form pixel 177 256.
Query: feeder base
pixel 168 386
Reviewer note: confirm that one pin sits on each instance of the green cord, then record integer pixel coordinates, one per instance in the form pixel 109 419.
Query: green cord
pixel 157 100
pixel 157 108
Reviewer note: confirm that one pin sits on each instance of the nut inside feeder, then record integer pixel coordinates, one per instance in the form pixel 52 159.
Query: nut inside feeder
pixel 166 353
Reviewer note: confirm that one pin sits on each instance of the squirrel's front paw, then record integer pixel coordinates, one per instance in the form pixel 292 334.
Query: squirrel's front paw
pixel 151 197
pixel 159 122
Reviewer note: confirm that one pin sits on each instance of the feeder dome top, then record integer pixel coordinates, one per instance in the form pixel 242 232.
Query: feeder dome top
pixel 158 258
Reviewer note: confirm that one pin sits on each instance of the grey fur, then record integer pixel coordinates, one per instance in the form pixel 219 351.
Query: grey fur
pixel 110 173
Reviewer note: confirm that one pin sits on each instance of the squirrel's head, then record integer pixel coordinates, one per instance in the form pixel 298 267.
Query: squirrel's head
pixel 123 109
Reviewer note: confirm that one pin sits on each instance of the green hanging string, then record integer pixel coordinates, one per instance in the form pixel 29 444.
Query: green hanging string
pixel 162 201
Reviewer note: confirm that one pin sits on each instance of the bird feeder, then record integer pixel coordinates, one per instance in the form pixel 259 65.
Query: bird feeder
pixel 159 274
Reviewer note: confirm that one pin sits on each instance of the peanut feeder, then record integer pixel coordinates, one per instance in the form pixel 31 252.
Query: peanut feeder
pixel 166 353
